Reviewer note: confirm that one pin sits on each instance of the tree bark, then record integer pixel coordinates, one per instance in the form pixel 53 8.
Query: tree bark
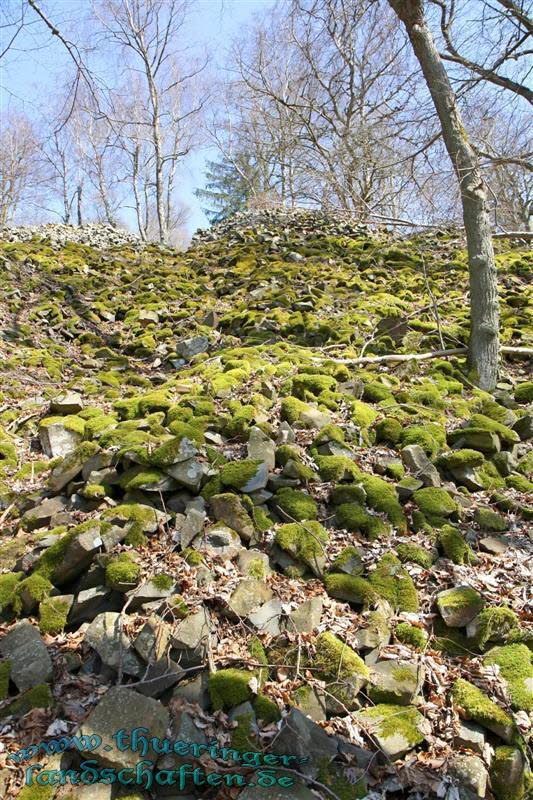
pixel 483 350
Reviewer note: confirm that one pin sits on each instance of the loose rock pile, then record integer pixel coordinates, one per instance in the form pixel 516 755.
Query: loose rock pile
pixel 59 234
pixel 281 224
pixel 214 529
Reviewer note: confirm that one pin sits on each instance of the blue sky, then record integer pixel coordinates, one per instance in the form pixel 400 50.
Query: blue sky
pixel 37 63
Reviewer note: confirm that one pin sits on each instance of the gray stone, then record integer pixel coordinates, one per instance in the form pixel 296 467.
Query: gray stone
pixel 57 440
pixel 66 403
pixel 475 439
pixel 315 419
pixel 153 640
pixel 261 448
pixel 189 473
pixel 123 709
pixel 96 791
pixel 266 617
pixel 248 560
pixel 79 553
pixel 228 508
pixel 285 434
pixel 184 729
pixel 298 791
pixel 30 662
pixel 147 592
pixel 408 486
pixel 195 690
pixel 394 743
pixel 376 633
pixel 470 736
pixel 509 773
pixel 311 702
pixel 396 682
pixel 187 348
pixel 471 775
pixel 113 536
pixel 249 595
pixel 258 481
pixel 459 606
pixel 112 644
pixel 302 737
pixel 158 677
pixel 191 526
pixel 91 602
pixel 218 541
pixel 67 470
pixel 190 637
pixel 40 515
pixel 468 477
pixel 497 545
pixel 306 617
pixel 505 462
pixel 414 458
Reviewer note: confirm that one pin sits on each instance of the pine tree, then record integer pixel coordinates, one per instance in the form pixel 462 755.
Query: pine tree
pixel 229 185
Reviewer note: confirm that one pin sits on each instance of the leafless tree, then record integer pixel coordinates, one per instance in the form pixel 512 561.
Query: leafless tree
pixel 148 34
pixel 484 322
pixel 20 168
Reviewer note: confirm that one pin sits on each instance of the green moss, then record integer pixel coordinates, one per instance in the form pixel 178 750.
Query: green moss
pixel 169 452
pixel 296 505
pixel 329 433
pixel 362 415
pixel 394 584
pixel 376 392
pixel 389 431
pixel 5 672
pixel 477 706
pixel 304 386
pixel 408 551
pixel 304 542
pixel 242 738
pixel 71 422
pixel 336 661
pixel 39 793
pixel 354 518
pixel 396 721
pixel 348 494
pixel 140 477
pixel 37 697
pixel 495 622
pixel 482 422
pixel 266 710
pixel 411 635
pixel 8 584
pixel 418 434
pixel 237 474
pixel 514 662
pixel 122 572
pixel 456 459
pixel 8 454
pixel 351 589
pixel 524 392
pixel 292 409
pixel 349 555
pixel 381 496
pixel 163 582
pixel 339 786
pixel 454 546
pixel 30 591
pixel 489 520
pixel 434 502
pixel 336 468
pixel 508 782
pixel 192 557
pixel 53 613
pixel 520 483
pixel 229 688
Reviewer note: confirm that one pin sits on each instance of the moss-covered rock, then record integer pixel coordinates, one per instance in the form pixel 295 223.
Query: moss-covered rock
pixel 454 546
pixel 229 688
pixel 295 505
pixel 122 573
pixel 489 520
pixel 411 635
pixel 475 705
pixel 509 774
pixel 435 503
pixel 516 668
pixel 304 542
pixel 391 581
pixel 351 589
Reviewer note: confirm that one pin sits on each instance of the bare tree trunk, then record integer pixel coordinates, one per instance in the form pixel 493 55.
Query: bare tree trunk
pixel 483 348
pixel 78 204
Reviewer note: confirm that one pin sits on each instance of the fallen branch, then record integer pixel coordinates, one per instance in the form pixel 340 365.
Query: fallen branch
pixel 456 351
pixel 527 235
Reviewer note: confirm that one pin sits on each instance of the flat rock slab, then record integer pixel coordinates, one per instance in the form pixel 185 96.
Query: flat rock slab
pixel 122 708
pixel 30 662
pixel 397 729
pixel 459 606
pixel 112 644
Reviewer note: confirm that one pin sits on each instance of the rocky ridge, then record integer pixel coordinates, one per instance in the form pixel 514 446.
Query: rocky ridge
pixel 212 516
